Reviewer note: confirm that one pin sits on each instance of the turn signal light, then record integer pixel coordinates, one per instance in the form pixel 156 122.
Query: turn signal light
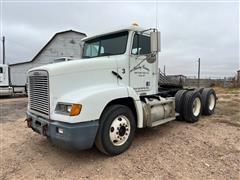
pixel 76 109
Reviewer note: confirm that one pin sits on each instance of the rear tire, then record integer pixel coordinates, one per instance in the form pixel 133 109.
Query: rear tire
pixel 200 90
pixel 192 106
pixel 209 101
pixel 116 130
pixel 179 99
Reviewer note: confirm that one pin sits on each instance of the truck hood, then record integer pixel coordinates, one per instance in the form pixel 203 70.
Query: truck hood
pixel 76 66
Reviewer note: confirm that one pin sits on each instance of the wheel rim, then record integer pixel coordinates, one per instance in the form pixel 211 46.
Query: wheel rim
pixel 119 130
pixel 211 102
pixel 196 106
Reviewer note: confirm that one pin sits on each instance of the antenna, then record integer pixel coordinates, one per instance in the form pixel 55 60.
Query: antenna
pixel 156 14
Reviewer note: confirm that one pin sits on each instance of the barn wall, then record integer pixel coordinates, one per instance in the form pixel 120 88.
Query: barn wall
pixel 18 73
pixel 63 45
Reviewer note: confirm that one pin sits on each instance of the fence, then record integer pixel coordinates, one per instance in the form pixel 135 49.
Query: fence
pixel 225 82
pixel 193 81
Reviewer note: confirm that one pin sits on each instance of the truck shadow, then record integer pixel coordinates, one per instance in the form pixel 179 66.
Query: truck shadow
pixel 160 131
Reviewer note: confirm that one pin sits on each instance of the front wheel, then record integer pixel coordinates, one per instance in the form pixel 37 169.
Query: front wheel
pixel 116 130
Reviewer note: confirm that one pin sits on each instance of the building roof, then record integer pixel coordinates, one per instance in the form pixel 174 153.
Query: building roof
pixel 62 32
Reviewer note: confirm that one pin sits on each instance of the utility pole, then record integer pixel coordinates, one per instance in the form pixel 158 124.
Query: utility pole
pixel 198 72
pixel 3 45
pixel 164 70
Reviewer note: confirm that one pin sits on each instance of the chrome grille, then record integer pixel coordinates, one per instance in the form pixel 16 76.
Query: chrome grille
pixel 39 92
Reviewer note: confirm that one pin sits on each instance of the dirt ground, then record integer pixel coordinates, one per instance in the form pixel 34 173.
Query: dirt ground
pixel 208 149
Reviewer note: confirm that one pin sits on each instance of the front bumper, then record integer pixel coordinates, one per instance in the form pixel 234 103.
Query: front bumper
pixel 77 136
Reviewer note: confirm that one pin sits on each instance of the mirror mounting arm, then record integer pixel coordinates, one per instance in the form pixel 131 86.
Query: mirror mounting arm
pixel 150 29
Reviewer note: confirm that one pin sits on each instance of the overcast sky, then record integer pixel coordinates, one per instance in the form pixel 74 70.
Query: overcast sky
pixel 209 30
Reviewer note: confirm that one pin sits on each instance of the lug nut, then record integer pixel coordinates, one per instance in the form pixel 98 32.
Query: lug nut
pixel 112 129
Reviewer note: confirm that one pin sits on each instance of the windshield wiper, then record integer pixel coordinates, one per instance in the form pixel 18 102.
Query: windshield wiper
pixel 106 54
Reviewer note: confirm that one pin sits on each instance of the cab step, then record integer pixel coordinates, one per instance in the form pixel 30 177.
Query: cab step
pixel 162 121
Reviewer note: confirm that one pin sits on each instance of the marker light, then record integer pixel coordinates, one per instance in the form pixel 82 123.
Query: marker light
pixel 135 24
pixel 76 109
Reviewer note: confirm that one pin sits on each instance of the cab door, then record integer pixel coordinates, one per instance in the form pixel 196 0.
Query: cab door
pixel 4 81
pixel 1 74
pixel 142 76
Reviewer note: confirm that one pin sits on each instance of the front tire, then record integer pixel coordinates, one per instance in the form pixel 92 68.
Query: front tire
pixel 116 130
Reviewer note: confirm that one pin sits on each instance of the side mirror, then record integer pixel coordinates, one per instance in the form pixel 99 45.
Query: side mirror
pixel 155 42
pixel 151 58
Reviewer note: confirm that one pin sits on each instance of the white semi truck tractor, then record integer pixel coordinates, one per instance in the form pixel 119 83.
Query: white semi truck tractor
pixel 113 89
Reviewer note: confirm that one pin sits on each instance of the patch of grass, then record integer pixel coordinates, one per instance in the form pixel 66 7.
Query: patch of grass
pixel 232 90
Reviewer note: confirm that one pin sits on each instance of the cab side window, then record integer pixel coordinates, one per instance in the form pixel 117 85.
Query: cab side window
pixel 92 49
pixel 1 70
pixel 141 44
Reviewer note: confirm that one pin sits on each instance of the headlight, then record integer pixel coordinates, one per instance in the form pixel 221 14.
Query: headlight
pixel 68 109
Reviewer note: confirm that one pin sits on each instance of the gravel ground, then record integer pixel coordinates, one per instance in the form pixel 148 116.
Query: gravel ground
pixel 208 149
pixel 12 109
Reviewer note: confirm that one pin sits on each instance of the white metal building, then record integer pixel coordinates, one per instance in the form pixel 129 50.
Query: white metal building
pixel 62 44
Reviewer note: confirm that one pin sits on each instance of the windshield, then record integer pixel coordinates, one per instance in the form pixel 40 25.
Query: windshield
pixel 112 44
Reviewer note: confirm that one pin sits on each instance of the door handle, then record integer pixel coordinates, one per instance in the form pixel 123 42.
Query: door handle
pixel 116 74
